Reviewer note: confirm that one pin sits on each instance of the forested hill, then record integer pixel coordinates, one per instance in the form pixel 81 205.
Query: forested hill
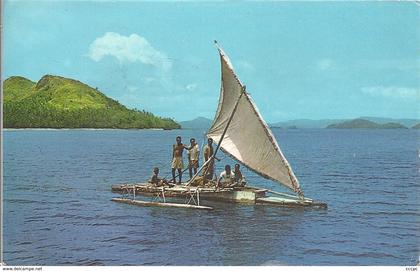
pixel 58 102
pixel 365 124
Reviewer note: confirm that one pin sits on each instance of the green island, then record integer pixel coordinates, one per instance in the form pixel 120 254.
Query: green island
pixel 58 102
pixel 365 124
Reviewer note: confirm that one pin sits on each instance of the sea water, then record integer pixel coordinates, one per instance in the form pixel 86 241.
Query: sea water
pixel 57 208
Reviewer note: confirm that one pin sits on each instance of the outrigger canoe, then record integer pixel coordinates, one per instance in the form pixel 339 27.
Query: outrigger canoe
pixel 239 131
pixel 193 195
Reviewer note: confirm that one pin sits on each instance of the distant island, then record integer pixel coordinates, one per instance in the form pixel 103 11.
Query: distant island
pixel 417 126
pixel 304 123
pixel 285 127
pixel 202 123
pixel 324 123
pixel 199 123
pixel 365 124
pixel 58 102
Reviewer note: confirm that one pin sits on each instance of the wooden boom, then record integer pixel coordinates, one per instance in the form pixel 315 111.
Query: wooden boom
pixel 161 204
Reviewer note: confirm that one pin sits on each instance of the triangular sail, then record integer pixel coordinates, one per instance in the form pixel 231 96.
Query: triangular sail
pixel 248 138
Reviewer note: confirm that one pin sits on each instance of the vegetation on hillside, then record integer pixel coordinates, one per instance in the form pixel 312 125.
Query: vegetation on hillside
pixel 365 124
pixel 57 102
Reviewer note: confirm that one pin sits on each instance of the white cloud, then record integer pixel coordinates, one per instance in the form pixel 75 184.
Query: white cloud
pixel 133 48
pixel 191 87
pixel 324 64
pixel 392 92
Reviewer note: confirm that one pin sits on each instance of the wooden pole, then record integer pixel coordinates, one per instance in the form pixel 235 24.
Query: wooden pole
pixel 229 121
pixel 163 194
pixel 161 204
pixel 221 138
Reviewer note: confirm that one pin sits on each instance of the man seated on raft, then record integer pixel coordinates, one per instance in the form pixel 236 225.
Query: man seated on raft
pixel 156 181
pixel 239 178
pixel 231 179
pixel 226 179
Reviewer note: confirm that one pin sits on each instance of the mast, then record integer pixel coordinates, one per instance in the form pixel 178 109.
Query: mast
pixel 223 134
pixel 231 116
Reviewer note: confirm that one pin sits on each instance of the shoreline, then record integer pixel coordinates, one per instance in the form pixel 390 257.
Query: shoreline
pixel 83 129
pixel 161 129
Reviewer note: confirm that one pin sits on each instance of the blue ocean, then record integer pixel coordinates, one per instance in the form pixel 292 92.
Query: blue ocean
pixel 57 207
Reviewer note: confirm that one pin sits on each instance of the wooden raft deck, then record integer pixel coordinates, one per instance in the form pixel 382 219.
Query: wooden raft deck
pixel 247 195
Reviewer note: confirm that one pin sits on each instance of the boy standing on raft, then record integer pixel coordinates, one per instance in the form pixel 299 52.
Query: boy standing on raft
pixel 177 163
pixel 193 154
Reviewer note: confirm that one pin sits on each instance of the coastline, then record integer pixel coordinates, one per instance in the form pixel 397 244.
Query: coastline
pixel 81 129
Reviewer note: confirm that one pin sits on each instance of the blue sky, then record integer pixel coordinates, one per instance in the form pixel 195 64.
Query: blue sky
pixel 298 59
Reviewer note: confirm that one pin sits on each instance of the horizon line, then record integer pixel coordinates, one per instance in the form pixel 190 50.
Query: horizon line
pixel 295 119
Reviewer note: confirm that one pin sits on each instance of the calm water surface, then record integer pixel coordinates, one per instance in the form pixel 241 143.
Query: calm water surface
pixel 57 208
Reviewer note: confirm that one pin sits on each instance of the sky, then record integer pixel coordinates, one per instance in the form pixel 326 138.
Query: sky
pixel 299 60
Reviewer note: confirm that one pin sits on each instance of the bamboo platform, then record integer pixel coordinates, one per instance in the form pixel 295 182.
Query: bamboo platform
pixel 245 195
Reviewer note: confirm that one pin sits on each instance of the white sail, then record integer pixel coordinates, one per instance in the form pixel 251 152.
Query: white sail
pixel 248 138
